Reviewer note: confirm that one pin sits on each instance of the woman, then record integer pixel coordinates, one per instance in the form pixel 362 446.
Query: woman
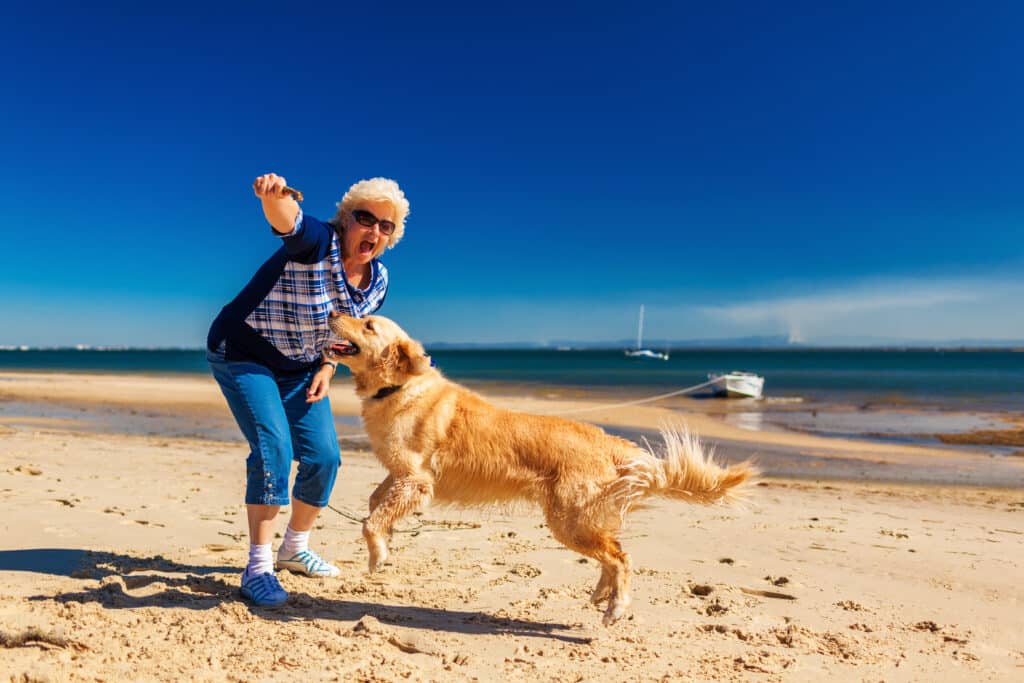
pixel 265 350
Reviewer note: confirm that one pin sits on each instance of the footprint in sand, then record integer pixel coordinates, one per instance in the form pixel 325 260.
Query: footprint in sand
pixel 851 606
pixel 777 581
pixel 894 534
pixel 370 627
pixel 716 608
pixel 525 570
pixel 136 582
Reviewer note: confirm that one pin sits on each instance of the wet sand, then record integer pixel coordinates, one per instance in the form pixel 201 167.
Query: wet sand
pixel 124 536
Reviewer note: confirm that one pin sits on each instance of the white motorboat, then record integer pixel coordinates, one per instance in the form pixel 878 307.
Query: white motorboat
pixel 737 384
pixel 640 351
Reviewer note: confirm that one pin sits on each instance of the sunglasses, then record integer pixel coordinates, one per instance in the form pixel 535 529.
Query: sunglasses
pixel 368 220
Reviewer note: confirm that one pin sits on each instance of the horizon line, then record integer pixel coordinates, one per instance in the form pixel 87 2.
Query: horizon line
pixel 987 345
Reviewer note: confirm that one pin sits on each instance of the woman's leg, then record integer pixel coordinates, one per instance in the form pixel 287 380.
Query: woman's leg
pixel 303 515
pixel 316 449
pixel 262 522
pixel 252 394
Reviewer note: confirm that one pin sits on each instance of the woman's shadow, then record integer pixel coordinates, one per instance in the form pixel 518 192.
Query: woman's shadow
pixel 169 584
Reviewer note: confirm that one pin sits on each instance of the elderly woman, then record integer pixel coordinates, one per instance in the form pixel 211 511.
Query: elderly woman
pixel 265 350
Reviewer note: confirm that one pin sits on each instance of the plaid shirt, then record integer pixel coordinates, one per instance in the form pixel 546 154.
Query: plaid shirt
pixel 294 315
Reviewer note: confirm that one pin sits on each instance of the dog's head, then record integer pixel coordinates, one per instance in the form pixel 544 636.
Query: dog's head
pixel 377 351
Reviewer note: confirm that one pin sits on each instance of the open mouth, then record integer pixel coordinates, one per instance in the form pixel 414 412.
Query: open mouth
pixel 366 247
pixel 343 348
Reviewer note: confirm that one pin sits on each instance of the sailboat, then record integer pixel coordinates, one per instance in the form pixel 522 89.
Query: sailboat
pixel 640 351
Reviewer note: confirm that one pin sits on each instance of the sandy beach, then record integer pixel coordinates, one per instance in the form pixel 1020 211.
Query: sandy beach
pixel 124 535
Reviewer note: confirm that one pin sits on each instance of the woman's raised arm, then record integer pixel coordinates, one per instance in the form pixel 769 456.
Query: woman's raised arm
pixel 279 206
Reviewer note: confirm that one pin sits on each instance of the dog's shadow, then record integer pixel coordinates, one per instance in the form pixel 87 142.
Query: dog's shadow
pixel 168 584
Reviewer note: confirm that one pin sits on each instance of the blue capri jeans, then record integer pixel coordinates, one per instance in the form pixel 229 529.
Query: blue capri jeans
pixel 280 427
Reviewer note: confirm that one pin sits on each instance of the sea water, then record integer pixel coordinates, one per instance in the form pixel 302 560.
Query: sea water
pixel 953 379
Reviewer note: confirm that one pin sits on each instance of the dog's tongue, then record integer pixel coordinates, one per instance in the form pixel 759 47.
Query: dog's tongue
pixel 342 348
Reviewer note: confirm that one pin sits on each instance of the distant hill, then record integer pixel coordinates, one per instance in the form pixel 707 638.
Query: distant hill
pixel 753 342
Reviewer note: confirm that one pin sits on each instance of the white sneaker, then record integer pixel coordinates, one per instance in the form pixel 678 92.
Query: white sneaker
pixel 307 562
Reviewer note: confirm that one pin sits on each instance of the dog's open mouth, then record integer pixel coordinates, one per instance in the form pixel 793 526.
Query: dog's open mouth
pixel 343 348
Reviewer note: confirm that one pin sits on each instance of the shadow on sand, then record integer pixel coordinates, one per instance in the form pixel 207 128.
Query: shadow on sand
pixel 138 582
pixel 92 564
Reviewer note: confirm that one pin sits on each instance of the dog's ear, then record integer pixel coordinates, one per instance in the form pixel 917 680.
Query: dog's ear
pixel 412 359
pixel 406 357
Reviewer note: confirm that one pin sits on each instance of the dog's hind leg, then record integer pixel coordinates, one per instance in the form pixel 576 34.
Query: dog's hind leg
pixel 404 495
pixel 603 589
pixel 571 528
pixel 617 565
pixel 378 493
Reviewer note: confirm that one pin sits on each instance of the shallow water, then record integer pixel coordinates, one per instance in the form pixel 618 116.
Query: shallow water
pixel 149 422
pixel 896 426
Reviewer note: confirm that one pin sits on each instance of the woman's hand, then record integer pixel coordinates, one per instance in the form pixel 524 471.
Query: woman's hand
pixel 279 206
pixel 270 186
pixel 320 385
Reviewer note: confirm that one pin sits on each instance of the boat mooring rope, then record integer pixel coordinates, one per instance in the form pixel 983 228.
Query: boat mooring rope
pixel 637 402
pixel 650 399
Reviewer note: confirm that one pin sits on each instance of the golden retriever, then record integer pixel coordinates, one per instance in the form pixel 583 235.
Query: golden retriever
pixel 440 441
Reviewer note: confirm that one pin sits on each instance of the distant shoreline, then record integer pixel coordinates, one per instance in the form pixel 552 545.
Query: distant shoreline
pixel 1011 347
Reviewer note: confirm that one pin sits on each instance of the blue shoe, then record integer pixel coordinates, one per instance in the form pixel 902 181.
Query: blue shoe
pixel 307 562
pixel 263 590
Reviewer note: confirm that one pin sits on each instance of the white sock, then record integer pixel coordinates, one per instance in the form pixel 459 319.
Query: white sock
pixel 261 560
pixel 294 542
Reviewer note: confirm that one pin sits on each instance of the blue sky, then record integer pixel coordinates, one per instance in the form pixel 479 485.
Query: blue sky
pixel 828 171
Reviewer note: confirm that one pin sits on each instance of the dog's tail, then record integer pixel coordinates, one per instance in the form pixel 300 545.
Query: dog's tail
pixel 687 471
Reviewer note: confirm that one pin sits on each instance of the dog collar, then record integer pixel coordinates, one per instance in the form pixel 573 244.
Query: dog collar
pixel 386 391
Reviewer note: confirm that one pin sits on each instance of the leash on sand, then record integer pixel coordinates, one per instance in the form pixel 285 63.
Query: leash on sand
pixel 421 525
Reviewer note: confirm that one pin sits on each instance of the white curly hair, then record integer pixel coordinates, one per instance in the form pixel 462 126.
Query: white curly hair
pixel 374 190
